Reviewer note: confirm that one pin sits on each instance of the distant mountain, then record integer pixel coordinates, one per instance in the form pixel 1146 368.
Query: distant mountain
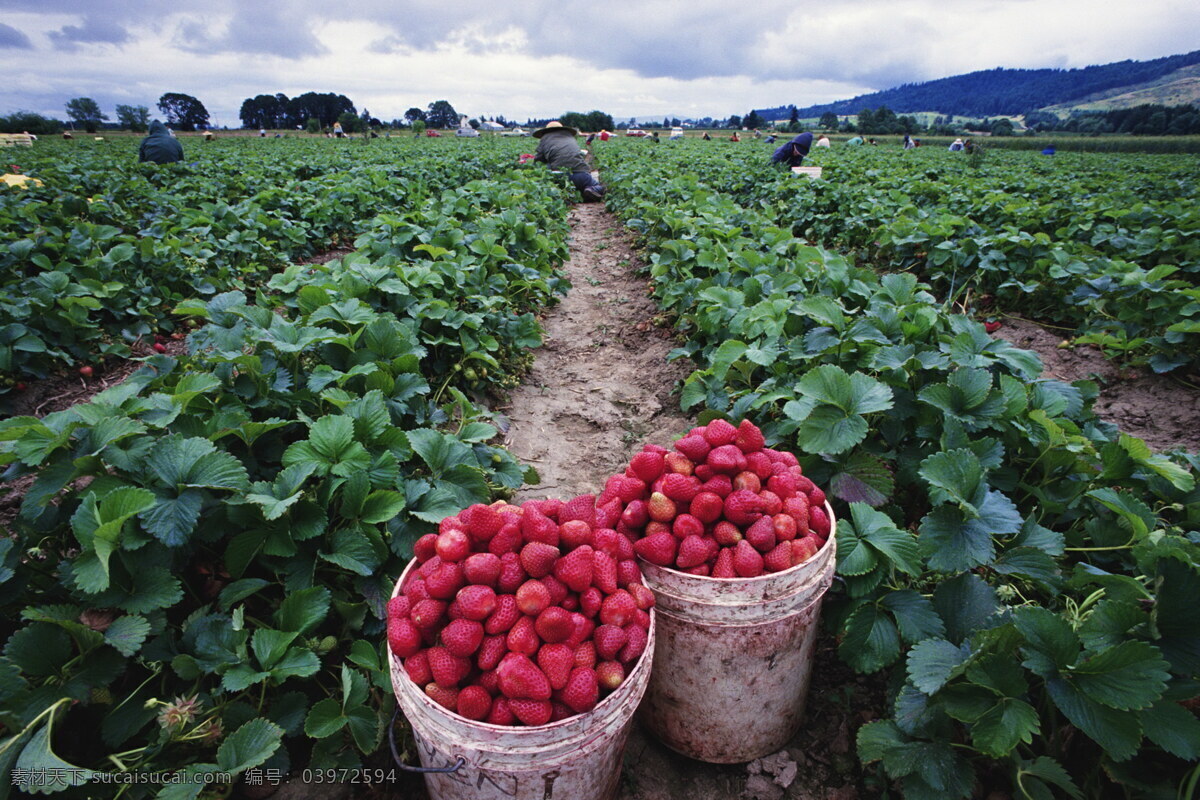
pixel 1009 92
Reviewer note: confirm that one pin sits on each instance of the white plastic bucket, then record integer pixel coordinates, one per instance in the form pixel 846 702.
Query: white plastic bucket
pixel 808 172
pixel 734 657
pixel 574 759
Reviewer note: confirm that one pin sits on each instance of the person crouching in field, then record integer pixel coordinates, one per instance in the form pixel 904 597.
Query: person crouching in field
pixel 558 149
pixel 159 146
pixel 792 153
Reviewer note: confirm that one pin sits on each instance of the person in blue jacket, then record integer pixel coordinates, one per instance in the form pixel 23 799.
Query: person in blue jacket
pixel 159 146
pixel 792 153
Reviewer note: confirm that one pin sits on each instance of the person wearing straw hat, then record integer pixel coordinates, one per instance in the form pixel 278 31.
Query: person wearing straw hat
pixel 557 148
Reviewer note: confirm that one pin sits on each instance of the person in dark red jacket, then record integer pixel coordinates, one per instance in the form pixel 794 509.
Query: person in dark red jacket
pixel 792 153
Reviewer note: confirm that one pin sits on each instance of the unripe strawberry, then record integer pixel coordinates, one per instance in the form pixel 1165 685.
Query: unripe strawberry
pixel 661 507
pixel 678 464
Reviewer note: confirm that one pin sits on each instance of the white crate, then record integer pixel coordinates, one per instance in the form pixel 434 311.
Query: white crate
pixel 808 172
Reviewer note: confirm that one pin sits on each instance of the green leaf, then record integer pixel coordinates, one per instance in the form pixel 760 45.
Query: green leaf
pixel 965 603
pixel 1044 768
pixel 127 633
pixel 173 458
pixel 1131 675
pixel 365 728
pixel 956 473
pixel 324 719
pixel 831 430
pixel 1004 726
pixel 249 746
pixel 870 641
pixel 951 542
pixel 864 479
pixel 172 519
pixel 218 471
pixel 270 645
pixel 40 771
pixel 1118 732
pixel 1139 517
pixel 933 662
pixel 39 649
pixel 915 615
pixel 381 506
pixel 440 451
pixel 877 531
pixel 1173 728
pixel 729 351
pixel 302 611
pixel 1047 633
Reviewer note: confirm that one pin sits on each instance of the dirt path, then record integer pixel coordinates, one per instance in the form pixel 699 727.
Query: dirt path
pixel 600 385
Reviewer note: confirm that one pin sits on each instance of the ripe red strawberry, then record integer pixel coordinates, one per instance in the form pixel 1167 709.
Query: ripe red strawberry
pixel 604 571
pixel 582 507
pixel 635 515
pixel 584 628
pixel 474 703
pixel 428 615
pixel 779 559
pixel 686 525
pixel 482 569
pixel 694 447
pixel 749 438
pixel 560 711
pixel 762 534
pixel 630 489
pixel 704 473
pixel 403 637
pixel 520 678
pixel 582 691
pixel 447 668
pixel 816 497
pixel 417 667
pixel 501 713
pixel 585 654
pixel 642 596
pixel 476 602
pixel 575 568
pixel 430 566
pixel 727 460
pixel 720 485
pixel 556 661
pixel 462 637
pixel 724 566
pixel 554 625
pixel 425 548
pixel 533 597
pixel 638 639
pixel 693 551
pixel 489 681
pixel 609 639
pixel 504 617
pixel 661 508
pixel 743 508
pixel 483 522
pixel 783 485
pixel 647 465
pixel 760 465
pixel 747 480
pixel 680 487
pixel 610 675
pixel 678 464
pixel 654 526
pixel 574 533
pixel 618 608
pixel 628 572
pixel 703 570
pixel 591 600
pixel 415 590
pixel 804 484
pixel 785 527
pixel 537 527
pixel 719 432
pixel 658 548
pixel 558 590
pixel 508 540
pixel 772 505
pixel 445 581
pixel 747 562
pixel 531 712
pixel 443 696
pixel 818 520
pixel 537 558
pixel 726 533
pixel 399 607
pixel 608 514
pixel 706 507
pixel 803 549
pixel 523 637
pixel 512 574
pixel 491 650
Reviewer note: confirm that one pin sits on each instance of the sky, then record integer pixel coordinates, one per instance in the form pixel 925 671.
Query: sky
pixel 646 59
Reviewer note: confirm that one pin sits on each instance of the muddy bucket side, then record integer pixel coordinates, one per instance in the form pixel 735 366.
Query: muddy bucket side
pixel 574 759
pixel 733 657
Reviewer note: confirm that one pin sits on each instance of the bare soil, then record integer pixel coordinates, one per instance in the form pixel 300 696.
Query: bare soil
pixel 1161 410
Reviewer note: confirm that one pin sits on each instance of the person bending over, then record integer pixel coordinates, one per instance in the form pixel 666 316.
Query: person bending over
pixel 159 146
pixel 557 148
pixel 792 153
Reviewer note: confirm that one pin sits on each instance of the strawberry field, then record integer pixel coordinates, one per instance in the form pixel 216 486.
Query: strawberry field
pixel 197 574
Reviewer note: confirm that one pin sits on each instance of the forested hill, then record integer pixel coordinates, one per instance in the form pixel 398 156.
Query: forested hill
pixel 1001 91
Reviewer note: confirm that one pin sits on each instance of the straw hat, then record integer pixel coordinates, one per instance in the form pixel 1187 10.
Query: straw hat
pixel 554 125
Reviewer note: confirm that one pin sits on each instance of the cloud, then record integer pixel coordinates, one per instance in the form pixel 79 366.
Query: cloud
pixel 94 30
pixel 13 39
pixel 252 29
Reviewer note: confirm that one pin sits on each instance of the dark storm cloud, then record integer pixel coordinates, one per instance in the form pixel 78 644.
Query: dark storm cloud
pixel 12 38
pixel 94 30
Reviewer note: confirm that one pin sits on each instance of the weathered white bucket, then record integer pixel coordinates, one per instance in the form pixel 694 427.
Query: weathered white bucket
pixel 734 656
pixel 574 759
pixel 808 172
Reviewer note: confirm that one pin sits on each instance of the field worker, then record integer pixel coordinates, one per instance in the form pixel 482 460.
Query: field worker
pixel 558 149
pixel 909 144
pixel 337 130
pixel 823 141
pixel 735 137
pixel 770 139
pixel 956 146
pixel 159 146
pixel 792 153
pixel 855 142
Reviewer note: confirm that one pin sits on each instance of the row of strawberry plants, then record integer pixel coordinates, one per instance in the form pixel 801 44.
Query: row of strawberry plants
pixel 98 255
pixel 198 575
pixel 1109 246
pixel 1024 572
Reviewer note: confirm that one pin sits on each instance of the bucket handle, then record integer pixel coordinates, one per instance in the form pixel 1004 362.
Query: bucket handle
pixel 458 764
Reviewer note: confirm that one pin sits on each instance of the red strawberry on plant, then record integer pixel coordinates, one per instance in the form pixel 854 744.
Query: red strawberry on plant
pixel 474 703
pixel 86 371
pixel 658 548
pixel 747 562
pixel 582 691
pixel 159 347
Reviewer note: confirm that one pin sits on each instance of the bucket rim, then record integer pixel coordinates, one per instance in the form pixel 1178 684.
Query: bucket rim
pixel 747 581
pixel 395 663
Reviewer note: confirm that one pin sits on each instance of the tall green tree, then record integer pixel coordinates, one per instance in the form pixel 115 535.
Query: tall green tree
pixel 442 115
pixel 734 122
pixel 414 114
pixel 183 111
pixel 134 118
pixel 266 111
pixel 753 121
pixel 829 121
pixel 86 112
